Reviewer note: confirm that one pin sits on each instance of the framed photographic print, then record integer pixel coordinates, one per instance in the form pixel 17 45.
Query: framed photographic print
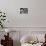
pixel 23 10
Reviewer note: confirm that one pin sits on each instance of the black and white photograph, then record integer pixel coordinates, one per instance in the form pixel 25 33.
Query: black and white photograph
pixel 23 10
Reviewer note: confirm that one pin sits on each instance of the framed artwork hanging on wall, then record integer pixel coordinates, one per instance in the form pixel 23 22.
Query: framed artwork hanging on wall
pixel 23 10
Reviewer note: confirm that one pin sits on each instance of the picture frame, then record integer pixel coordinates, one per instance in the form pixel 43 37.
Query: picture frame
pixel 23 10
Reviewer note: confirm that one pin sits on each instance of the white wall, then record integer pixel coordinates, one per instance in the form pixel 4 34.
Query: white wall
pixel 35 18
pixel 39 13
pixel 34 21
pixel 12 8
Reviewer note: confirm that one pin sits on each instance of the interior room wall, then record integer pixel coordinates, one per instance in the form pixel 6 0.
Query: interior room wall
pixel 34 21
pixel 35 18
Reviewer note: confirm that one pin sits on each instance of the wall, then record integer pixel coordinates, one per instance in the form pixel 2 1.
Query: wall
pixel 38 13
pixel 15 19
pixel 34 21
pixel 35 18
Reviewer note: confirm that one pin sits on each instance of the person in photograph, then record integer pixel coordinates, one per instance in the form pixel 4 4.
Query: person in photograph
pixel 21 11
